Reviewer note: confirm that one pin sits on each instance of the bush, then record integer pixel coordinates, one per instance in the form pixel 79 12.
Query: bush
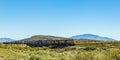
pixel 34 57
pixel 90 48
pixel 117 56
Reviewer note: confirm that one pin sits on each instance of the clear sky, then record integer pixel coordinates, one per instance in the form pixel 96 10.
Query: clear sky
pixel 24 18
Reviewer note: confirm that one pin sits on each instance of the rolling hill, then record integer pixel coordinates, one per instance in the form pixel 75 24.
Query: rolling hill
pixel 47 37
pixel 92 37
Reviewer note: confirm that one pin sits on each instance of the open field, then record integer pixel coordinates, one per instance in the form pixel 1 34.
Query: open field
pixel 81 51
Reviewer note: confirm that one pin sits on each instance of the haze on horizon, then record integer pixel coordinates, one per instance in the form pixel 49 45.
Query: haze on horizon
pixel 23 18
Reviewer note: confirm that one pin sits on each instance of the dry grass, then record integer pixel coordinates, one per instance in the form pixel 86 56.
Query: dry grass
pixel 16 52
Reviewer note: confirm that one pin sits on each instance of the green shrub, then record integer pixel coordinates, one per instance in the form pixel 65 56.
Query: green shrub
pixel 34 57
pixel 90 48
pixel 117 56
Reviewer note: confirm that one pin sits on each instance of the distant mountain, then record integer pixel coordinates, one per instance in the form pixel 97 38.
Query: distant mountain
pixel 47 37
pixel 6 40
pixel 92 36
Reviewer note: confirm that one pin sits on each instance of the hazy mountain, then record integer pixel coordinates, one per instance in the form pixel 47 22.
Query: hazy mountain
pixel 92 36
pixel 6 40
pixel 41 37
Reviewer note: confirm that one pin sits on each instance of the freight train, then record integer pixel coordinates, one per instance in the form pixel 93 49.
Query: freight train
pixel 40 43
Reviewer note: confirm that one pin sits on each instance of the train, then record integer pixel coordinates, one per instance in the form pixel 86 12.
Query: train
pixel 41 43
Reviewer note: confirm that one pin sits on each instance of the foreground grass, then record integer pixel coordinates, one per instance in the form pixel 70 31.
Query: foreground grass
pixel 21 52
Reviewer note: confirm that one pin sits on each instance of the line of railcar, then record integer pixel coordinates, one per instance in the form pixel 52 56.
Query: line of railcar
pixel 40 43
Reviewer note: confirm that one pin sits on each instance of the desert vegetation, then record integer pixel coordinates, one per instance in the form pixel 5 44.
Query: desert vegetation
pixel 81 51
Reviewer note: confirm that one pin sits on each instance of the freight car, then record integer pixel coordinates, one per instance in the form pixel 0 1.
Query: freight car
pixel 40 43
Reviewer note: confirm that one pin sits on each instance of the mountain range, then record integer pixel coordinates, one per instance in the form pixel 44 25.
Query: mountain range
pixel 92 37
pixel 48 37
pixel 6 40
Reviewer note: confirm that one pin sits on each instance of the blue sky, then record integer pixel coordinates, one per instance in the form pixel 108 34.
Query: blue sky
pixel 24 18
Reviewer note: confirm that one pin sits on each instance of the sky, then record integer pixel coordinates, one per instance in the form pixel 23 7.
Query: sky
pixel 24 18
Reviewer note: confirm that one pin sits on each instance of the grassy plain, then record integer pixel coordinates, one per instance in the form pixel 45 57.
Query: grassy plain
pixel 81 51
